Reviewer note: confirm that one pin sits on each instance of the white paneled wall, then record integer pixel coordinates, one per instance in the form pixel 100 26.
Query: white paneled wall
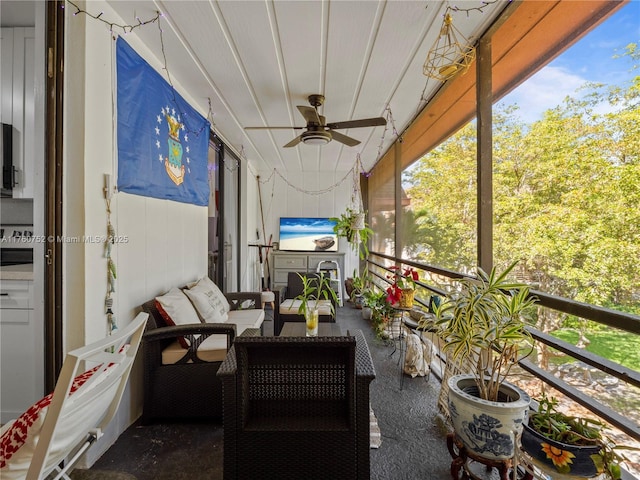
pixel 290 200
pixel 163 243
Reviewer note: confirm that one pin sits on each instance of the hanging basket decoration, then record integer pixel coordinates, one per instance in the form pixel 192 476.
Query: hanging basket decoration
pixel 357 221
pixel 357 211
pixel 449 55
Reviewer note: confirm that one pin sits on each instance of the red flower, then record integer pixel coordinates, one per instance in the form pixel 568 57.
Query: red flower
pixel 402 280
pixel 393 294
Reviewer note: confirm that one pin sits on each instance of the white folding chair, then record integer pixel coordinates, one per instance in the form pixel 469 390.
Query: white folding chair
pixel 77 412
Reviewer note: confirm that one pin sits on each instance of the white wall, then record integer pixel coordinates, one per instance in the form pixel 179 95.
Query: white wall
pixel 286 195
pixel 166 242
pixel 250 215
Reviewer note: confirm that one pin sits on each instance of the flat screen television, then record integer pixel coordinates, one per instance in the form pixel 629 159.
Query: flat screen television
pixel 307 234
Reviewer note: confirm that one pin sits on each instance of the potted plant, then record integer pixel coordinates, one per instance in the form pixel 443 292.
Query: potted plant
pixel 359 285
pixel 570 445
pixel 348 225
pixel 483 331
pixel 315 288
pixel 403 286
pixel 368 302
pixel 381 310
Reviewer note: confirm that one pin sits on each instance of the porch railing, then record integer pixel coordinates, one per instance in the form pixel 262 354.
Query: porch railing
pixel 378 265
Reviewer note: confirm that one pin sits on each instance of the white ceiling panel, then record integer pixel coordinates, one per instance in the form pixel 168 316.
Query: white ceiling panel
pixel 256 61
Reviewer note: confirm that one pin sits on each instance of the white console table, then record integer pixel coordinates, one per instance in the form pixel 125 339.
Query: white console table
pixel 307 262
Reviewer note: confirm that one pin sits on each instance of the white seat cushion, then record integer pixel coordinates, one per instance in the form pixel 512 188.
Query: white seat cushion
pixel 291 306
pixel 250 318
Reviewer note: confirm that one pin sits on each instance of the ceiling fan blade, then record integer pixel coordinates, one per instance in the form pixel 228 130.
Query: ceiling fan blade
pixel 274 128
pixel 310 114
pixel 350 142
pixel 293 142
pixel 364 122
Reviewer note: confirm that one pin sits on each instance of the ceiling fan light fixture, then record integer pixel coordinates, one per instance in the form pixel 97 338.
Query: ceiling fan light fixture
pixel 316 138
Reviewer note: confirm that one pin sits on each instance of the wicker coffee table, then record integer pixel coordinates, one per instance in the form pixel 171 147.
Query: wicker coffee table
pixel 298 329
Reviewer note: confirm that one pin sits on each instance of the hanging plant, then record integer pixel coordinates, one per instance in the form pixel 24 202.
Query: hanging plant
pixel 352 223
pixel 357 238
pixel 358 221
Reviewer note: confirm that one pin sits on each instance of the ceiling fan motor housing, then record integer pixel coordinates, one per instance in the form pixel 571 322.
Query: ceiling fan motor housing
pixel 318 137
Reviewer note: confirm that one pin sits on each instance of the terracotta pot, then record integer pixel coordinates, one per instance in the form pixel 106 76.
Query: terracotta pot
pixel 487 428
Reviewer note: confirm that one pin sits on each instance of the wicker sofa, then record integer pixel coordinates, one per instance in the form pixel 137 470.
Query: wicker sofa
pixel 181 383
pixel 297 407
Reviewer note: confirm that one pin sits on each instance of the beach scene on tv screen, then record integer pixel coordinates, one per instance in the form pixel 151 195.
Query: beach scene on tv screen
pixel 307 234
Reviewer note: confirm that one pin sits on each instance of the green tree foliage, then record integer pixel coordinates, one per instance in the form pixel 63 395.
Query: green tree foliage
pixel 566 197
pixel 442 190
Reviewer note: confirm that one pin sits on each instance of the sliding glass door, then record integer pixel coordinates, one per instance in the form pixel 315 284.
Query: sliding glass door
pixel 223 225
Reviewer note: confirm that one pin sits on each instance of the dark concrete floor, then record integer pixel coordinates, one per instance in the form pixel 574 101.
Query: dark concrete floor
pixel 413 443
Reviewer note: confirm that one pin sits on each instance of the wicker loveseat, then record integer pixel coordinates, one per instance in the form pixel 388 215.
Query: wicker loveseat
pixel 181 383
pixel 297 407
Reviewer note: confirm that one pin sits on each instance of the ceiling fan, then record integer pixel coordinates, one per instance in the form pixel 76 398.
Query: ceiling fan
pixel 318 132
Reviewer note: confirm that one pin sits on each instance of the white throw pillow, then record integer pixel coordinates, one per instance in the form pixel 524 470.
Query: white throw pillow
pixel 211 304
pixel 176 309
pixel 208 283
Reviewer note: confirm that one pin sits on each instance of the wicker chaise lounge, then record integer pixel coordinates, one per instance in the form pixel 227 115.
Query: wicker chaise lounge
pixel 297 408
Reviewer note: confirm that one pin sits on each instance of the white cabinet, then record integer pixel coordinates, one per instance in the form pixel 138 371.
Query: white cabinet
pixel 21 359
pixel 17 102
pixel 285 262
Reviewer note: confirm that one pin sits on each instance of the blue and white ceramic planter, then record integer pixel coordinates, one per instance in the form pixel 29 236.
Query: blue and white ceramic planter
pixel 487 428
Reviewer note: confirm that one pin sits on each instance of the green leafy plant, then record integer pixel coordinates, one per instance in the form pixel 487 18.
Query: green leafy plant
pixel 314 288
pixel 381 310
pixel 483 327
pixel 358 238
pixel 549 422
pixel 360 282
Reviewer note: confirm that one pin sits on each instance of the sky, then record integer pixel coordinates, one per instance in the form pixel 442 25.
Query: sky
pixel 588 60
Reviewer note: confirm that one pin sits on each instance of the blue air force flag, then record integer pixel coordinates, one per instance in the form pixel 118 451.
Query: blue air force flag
pixel 162 142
